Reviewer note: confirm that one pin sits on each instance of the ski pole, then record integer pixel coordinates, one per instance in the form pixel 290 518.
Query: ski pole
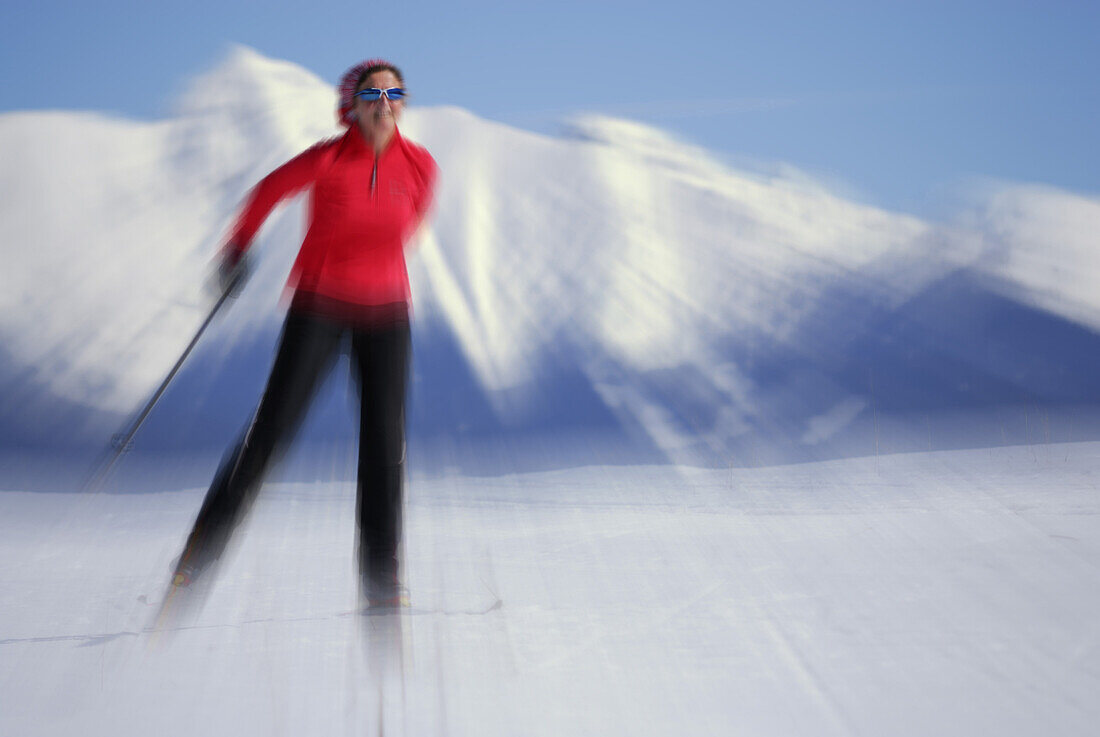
pixel 123 441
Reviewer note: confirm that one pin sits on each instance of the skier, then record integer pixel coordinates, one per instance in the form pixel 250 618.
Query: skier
pixel 370 190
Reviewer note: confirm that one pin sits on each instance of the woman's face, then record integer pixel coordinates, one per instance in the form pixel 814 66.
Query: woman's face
pixel 379 117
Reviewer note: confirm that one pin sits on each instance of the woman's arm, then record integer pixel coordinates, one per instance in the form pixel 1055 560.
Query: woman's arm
pixel 289 179
pixel 429 173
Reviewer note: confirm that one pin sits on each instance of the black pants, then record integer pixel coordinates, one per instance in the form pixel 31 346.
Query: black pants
pixel 307 350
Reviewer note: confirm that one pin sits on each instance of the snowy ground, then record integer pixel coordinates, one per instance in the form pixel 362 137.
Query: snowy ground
pixel 951 593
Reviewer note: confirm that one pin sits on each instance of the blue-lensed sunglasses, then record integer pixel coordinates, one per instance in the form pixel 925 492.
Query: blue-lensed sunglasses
pixel 371 94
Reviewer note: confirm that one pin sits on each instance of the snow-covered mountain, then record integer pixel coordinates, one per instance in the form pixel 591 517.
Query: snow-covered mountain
pixel 609 283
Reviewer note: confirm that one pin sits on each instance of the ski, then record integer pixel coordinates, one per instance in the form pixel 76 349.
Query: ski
pixel 379 611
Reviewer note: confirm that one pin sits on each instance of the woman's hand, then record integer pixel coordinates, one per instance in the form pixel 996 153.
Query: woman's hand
pixel 233 270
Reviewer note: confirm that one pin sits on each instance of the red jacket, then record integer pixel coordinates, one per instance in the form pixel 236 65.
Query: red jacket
pixel 363 210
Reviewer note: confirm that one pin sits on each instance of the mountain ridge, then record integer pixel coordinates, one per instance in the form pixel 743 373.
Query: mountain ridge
pixel 612 281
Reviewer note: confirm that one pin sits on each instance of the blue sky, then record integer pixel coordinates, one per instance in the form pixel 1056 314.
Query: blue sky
pixel 898 103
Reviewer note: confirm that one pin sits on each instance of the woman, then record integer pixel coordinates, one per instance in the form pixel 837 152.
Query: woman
pixel 370 190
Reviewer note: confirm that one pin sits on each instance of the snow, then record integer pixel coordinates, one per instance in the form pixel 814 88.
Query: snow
pixel 949 593
pixel 1042 245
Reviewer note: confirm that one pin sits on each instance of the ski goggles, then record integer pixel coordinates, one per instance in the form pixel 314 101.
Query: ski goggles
pixel 370 94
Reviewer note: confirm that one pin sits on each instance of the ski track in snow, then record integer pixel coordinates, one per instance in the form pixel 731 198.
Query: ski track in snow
pixel 950 593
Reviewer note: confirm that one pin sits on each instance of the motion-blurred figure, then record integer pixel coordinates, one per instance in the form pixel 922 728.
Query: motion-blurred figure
pixel 370 190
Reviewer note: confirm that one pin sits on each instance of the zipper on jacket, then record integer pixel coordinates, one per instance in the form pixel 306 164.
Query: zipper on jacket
pixel 373 177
